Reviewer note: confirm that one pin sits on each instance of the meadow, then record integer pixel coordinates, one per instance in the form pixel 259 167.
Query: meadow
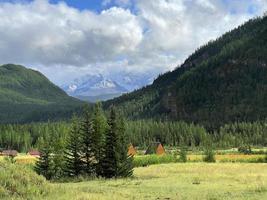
pixel 192 181
pixel 177 181
pixel 233 176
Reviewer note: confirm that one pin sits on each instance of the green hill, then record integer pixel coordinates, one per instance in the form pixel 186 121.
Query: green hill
pixel 223 81
pixel 27 95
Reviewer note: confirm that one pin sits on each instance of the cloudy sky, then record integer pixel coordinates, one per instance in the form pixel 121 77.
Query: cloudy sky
pixel 67 39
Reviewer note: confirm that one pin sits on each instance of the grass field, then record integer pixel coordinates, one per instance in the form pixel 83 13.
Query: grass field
pixel 189 181
pixel 173 181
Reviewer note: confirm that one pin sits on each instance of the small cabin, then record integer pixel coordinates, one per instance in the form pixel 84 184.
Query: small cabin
pixel 34 153
pixel 131 150
pixel 155 148
pixel 12 153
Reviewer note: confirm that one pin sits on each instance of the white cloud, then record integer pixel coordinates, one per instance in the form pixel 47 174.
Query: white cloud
pixel 157 36
pixel 40 32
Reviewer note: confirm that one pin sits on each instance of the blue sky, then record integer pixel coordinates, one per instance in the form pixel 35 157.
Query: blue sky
pixel 93 5
pixel 83 4
pixel 99 5
pixel 113 37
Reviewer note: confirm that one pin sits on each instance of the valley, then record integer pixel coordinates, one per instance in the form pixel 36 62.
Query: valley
pixel 126 120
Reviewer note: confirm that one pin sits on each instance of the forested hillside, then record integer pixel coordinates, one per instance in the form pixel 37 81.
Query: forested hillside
pixel 224 81
pixel 26 95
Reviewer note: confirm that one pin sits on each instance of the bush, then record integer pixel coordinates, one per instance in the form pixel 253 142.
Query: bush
pixel 209 156
pixel 245 149
pixel 183 155
pixel 20 182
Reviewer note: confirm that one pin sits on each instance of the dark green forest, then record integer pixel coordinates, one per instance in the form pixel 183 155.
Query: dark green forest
pixel 141 133
pixel 223 82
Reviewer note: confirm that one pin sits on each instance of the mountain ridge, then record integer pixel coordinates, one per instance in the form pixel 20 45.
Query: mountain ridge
pixel 27 95
pixel 212 86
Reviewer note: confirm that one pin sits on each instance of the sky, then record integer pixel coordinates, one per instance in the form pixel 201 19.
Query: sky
pixel 68 39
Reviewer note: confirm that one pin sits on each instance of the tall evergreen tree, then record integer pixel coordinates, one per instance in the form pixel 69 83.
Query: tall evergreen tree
pixel 58 146
pixel 125 164
pixel 116 163
pixel 99 123
pixel 44 165
pixel 110 161
pixel 87 144
pixel 73 153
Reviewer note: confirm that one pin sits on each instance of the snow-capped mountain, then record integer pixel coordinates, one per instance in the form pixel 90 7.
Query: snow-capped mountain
pixel 94 87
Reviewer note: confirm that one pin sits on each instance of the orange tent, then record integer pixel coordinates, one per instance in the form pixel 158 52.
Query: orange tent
pixel 131 150
pixel 155 148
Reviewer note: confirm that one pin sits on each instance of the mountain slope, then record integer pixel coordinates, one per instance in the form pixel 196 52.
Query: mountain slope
pixel 26 95
pixel 223 81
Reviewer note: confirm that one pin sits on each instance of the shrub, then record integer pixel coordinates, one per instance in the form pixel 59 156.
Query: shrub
pixel 183 155
pixel 245 149
pixel 20 182
pixel 209 155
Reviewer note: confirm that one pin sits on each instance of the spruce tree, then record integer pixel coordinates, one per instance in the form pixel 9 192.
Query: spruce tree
pixel 88 157
pixel 58 147
pixel 110 161
pixel 116 163
pixel 125 164
pixel 73 153
pixel 44 165
pixel 99 128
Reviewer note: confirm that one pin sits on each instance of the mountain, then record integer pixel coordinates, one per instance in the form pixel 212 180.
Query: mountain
pixel 224 81
pixel 27 95
pixel 94 88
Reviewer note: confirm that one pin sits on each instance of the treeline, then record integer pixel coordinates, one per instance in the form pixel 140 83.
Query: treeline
pixel 94 147
pixel 25 137
pixel 141 133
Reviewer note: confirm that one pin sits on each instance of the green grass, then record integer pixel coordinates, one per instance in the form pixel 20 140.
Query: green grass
pixel 146 160
pixel 176 181
pixel 187 181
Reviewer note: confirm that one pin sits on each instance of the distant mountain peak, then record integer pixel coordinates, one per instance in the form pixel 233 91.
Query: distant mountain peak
pixel 94 85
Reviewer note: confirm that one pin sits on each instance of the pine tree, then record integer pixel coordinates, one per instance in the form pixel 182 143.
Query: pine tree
pixel 110 161
pixel 59 145
pixel 88 156
pixel 116 163
pixel 73 156
pixel 125 165
pixel 44 165
pixel 99 123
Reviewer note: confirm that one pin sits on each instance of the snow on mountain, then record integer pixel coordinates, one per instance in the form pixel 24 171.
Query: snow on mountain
pixel 93 86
